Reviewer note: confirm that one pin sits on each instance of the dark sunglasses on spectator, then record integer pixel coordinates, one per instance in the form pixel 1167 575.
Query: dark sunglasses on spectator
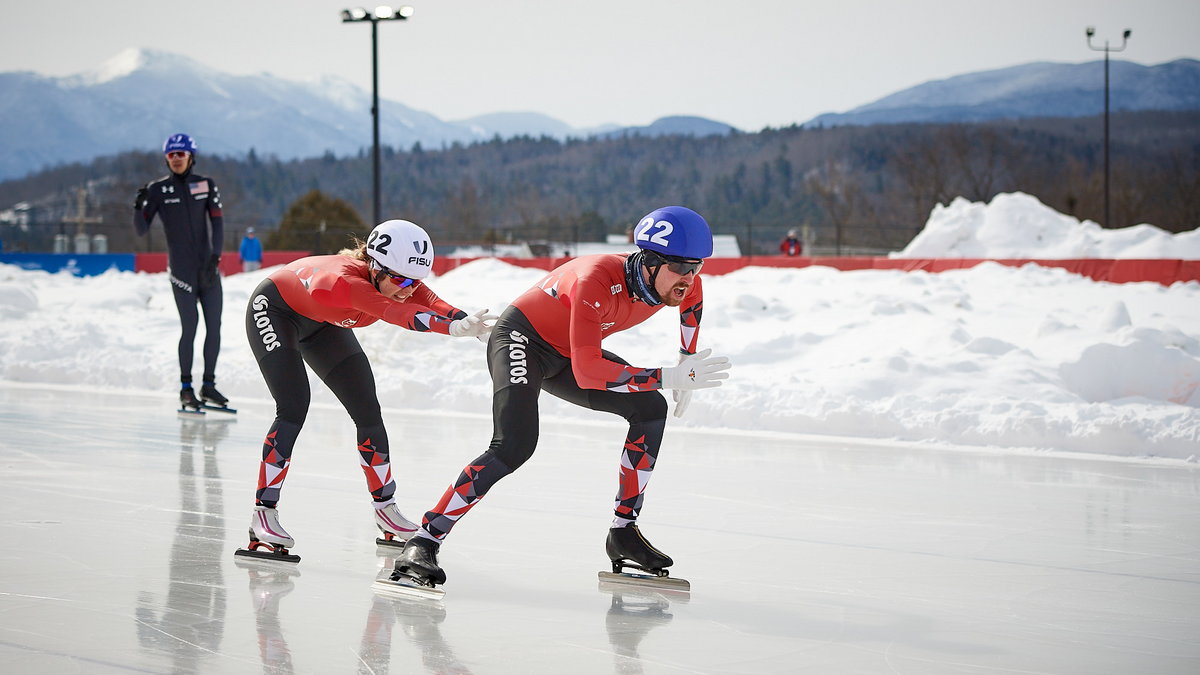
pixel 677 265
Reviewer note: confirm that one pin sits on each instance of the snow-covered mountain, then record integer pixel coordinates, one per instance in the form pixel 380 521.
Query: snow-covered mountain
pixel 1034 90
pixel 138 97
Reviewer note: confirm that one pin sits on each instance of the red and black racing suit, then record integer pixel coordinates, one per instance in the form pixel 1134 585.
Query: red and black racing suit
pixel 548 339
pixel 304 313
pixel 190 208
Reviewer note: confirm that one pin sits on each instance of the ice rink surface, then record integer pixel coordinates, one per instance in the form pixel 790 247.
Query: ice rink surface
pixel 120 520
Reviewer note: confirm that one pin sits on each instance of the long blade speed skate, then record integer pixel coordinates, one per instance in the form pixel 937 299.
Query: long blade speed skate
pixel 213 400
pixel 627 548
pixel 267 533
pixel 416 573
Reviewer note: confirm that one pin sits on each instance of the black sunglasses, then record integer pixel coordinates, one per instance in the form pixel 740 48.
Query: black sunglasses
pixel 680 266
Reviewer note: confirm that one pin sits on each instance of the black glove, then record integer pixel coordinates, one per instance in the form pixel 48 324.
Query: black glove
pixel 211 274
pixel 140 200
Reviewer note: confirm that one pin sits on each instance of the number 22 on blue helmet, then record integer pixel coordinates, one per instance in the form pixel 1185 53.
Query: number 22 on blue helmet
pixel 402 247
pixel 675 231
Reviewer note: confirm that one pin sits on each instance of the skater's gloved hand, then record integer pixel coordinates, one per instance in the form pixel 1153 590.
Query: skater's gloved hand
pixel 211 272
pixel 475 325
pixel 682 398
pixel 696 371
pixel 140 200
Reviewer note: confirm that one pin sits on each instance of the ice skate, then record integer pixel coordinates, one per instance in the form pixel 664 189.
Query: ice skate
pixel 267 533
pixel 627 548
pixel 395 527
pixel 416 573
pixel 188 403
pixel 214 400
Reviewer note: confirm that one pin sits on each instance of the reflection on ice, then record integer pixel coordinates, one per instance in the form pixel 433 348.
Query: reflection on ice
pixel 189 624
pixel 631 616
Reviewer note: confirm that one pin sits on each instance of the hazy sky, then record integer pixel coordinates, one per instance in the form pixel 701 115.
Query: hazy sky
pixel 750 63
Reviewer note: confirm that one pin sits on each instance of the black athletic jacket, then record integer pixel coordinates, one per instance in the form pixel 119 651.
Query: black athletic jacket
pixel 182 202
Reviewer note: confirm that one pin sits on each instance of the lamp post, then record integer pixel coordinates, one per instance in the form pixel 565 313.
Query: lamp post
pixel 381 13
pixel 1091 31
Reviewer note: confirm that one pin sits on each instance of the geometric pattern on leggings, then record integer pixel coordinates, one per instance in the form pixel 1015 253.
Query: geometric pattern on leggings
pixel 637 463
pixel 378 470
pixel 472 484
pixel 273 470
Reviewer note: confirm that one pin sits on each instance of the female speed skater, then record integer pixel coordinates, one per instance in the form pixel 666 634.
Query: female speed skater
pixel 306 313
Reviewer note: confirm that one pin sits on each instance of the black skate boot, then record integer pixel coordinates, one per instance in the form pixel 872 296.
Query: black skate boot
pixel 418 561
pixel 188 403
pixel 213 400
pixel 627 548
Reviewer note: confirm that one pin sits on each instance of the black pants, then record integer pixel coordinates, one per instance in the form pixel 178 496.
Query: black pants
pixel 211 302
pixel 523 365
pixel 283 341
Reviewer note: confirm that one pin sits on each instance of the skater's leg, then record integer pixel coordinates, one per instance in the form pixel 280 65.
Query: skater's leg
pixel 514 423
pixel 189 318
pixel 646 413
pixel 211 304
pixel 337 358
pixel 274 336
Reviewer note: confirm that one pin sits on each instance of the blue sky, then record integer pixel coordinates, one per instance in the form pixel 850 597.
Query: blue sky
pixel 753 63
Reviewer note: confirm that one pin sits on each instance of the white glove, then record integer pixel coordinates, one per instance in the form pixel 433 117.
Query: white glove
pixel 474 325
pixel 681 398
pixel 696 371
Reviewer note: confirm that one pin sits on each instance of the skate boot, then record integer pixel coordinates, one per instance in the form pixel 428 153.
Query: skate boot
pixel 418 562
pixel 267 533
pixel 627 548
pixel 395 527
pixel 213 399
pixel 188 402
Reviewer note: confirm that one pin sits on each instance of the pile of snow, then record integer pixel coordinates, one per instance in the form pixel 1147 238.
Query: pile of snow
pixel 1017 225
pixel 994 356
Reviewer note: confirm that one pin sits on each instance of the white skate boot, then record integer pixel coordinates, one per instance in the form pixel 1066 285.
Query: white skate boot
pixel 395 527
pixel 266 532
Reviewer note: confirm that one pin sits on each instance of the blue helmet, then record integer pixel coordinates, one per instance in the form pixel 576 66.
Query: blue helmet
pixel 674 231
pixel 179 142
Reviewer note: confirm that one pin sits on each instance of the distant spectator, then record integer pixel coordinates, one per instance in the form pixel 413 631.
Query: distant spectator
pixel 791 245
pixel 250 251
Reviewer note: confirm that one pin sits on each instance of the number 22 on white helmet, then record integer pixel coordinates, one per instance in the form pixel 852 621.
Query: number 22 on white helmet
pixel 402 247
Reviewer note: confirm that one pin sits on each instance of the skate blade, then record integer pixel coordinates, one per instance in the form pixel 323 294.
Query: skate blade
pixel 391 543
pixel 406 587
pixel 187 413
pixel 645 581
pixel 244 562
pixel 219 408
pixel 272 556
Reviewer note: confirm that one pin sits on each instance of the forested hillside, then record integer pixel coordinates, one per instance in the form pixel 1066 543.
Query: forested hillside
pixel 870 187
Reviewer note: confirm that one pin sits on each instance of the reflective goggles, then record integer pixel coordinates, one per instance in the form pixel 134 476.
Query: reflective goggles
pixel 680 266
pixel 400 280
pixel 177 154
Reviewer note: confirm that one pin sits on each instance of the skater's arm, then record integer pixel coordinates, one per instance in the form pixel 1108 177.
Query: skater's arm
pixel 144 208
pixel 690 311
pixel 215 218
pixel 591 369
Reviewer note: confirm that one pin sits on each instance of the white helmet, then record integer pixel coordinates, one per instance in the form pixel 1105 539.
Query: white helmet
pixel 402 247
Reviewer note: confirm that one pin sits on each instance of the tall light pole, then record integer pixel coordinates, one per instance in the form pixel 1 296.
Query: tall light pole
pixel 381 13
pixel 1091 31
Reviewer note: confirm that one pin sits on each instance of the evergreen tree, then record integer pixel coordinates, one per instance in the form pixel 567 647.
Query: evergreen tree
pixel 319 224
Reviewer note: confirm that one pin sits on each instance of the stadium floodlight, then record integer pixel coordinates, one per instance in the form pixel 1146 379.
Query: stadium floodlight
pixel 381 13
pixel 1091 32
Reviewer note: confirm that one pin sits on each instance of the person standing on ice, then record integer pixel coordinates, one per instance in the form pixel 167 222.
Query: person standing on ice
pixel 190 208
pixel 306 313
pixel 549 339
